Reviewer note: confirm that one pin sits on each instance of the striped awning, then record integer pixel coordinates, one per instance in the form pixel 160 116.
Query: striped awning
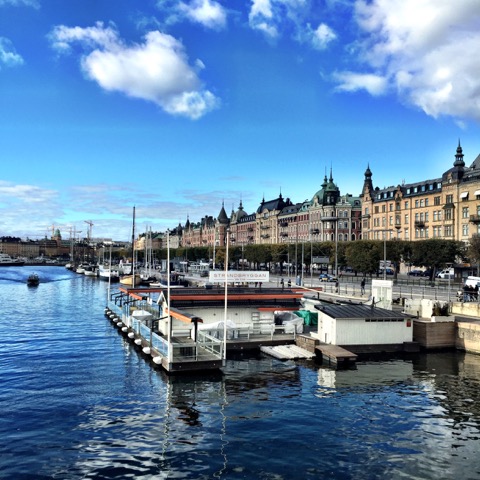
pixel 464 195
pixel 477 193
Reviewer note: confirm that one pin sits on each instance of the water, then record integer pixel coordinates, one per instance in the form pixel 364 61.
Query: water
pixel 77 401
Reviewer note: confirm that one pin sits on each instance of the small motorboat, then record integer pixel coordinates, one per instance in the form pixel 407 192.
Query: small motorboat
pixel 33 280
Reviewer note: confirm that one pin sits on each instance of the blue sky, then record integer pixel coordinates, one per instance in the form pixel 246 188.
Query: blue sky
pixel 178 106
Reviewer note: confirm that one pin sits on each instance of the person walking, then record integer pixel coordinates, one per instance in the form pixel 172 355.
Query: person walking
pixel 362 286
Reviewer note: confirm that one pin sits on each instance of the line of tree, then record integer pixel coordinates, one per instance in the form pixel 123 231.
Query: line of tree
pixel 363 257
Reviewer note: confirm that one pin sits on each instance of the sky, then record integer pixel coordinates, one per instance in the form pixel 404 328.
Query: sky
pixel 179 107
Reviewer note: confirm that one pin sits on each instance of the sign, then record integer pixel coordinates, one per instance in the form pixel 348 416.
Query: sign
pixel 321 259
pixel 238 276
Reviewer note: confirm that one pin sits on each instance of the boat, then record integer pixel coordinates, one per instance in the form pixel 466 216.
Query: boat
pixel 108 274
pixel 7 261
pixel 33 280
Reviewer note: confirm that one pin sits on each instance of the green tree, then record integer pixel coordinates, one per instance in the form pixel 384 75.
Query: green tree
pixel 436 253
pixel 364 256
pixel 473 251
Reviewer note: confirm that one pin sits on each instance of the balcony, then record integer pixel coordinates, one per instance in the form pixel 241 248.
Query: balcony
pixel 284 224
pixel 250 229
pixel 329 219
pixel 265 235
pixel 475 219
pixel 420 223
pixel 315 231
pixel 283 234
pixel 264 227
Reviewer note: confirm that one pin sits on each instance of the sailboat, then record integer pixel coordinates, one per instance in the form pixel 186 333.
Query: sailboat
pixel 133 279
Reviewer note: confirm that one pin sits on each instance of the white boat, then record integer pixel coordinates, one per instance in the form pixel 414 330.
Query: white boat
pixel 7 261
pixel 105 273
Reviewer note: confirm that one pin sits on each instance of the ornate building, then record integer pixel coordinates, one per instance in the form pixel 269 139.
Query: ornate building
pixel 447 207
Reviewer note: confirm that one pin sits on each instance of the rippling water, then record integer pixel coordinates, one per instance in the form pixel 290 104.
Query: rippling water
pixel 77 401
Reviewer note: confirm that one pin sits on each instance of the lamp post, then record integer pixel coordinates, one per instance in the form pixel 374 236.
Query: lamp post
pixel 385 252
pixel 448 293
pixel 226 301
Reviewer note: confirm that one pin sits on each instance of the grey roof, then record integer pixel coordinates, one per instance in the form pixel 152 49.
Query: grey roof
pixel 359 311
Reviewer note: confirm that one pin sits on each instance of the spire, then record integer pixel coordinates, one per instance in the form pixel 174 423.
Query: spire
pixel 459 156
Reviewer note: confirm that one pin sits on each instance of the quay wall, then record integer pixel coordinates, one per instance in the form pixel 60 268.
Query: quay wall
pixel 468 336
pixel 470 309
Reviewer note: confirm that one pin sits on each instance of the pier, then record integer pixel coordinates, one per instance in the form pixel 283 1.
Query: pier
pixel 335 355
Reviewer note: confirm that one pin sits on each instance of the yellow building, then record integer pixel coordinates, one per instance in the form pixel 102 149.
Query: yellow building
pixel 447 207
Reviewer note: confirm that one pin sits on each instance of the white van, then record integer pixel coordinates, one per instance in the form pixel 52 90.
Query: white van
pixel 472 281
pixel 446 273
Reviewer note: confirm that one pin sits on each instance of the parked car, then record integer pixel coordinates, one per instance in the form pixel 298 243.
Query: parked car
pixel 416 273
pixel 446 273
pixel 326 277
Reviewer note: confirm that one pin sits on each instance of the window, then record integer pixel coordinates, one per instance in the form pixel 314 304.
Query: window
pixel 421 202
pixel 366 210
pixel 406 205
pixel 391 207
pixel 449 199
pixel 465 230
pixel 417 217
pixel 426 202
pixel 436 200
pixel 407 218
pixel 465 212
pixel 384 208
pixel 448 230
pixel 376 209
pixel 448 214
pixel 416 203
pixel 435 216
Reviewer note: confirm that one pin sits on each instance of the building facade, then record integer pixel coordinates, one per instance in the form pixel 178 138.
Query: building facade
pixel 447 207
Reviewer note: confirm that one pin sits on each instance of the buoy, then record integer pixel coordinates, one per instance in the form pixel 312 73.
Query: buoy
pixel 131 335
pixel 138 341
pixel 146 350
pixel 157 359
pixel 119 324
pixel 125 329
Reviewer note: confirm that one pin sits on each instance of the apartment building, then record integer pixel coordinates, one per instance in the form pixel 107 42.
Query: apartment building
pixel 447 207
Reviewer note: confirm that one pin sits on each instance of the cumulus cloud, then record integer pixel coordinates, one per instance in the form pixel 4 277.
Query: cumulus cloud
pixel 274 17
pixel 8 56
pixel 261 18
pixel 425 52
pixel 156 70
pixel 206 12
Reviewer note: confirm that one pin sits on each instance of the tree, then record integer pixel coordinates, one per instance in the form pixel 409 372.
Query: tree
pixel 363 256
pixel 473 251
pixel 436 253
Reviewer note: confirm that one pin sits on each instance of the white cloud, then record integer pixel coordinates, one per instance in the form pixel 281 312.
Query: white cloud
pixel 206 12
pixel 156 70
pixel 261 18
pixel 321 37
pixel 19 3
pixel 427 50
pixel 352 82
pixel 8 56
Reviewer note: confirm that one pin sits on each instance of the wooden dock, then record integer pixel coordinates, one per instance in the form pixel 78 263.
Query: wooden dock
pixel 335 355
pixel 287 352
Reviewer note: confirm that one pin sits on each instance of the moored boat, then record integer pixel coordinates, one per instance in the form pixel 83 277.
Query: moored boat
pixel 7 261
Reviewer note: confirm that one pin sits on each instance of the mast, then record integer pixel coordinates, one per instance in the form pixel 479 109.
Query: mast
pixel 133 249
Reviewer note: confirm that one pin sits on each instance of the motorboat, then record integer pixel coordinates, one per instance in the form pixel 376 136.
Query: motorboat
pixel 33 280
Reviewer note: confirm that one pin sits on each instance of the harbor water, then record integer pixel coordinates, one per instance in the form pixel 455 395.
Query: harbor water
pixel 78 401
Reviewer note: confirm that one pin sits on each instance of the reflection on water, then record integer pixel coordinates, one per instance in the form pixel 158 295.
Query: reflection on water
pixel 78 401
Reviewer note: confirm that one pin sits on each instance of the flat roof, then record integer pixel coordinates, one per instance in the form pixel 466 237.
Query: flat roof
pixel 359 311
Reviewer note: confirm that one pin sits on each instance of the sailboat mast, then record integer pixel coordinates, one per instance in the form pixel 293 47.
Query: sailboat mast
pixel 133 250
